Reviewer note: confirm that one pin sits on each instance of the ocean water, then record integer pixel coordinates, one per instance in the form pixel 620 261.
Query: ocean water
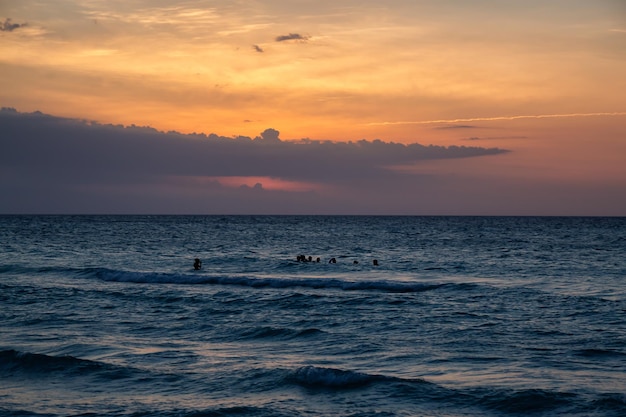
pixel 463 316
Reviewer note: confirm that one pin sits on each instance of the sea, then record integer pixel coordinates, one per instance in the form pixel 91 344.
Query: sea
pixel 462 316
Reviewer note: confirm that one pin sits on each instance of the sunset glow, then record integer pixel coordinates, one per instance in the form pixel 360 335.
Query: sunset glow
pixel 544 80
pixel 268 183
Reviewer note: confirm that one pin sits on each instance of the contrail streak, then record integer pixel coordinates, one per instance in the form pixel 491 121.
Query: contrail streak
pixel 490 119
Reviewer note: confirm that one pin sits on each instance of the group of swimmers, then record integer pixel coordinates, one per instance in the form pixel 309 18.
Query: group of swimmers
pixel 302 258
pixel 197 264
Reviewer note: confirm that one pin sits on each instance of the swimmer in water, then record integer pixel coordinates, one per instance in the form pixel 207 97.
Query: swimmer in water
pixel 197 264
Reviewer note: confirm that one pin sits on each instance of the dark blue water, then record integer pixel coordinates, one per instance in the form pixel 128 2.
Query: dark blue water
pixel 463 316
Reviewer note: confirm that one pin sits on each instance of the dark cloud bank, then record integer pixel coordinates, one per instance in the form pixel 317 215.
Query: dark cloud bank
pixel 50 165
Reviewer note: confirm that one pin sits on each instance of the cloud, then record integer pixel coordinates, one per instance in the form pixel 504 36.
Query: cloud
pixel 456 127
pixel 257 48
pixel 106 151
pixel 7 26
pixel 498 118
pixel 47 158
pixel 291 37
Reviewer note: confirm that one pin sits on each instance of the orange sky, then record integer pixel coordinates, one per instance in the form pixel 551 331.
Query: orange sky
pixel 448 72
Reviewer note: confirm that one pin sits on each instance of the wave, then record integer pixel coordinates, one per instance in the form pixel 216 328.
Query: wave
pixel 279 333
pixel 492 400
pixel 542 402
pixel 141 277
pixel 83 373
pixel 600 353
pixel 13 362
pixel 331 378
pixel 401 393
pixel 259 282
pixel 242 411
pixel 526 401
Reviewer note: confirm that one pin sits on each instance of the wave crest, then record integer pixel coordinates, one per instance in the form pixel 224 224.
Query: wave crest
pixel 13 361
pixel 314 377
pixel 257 282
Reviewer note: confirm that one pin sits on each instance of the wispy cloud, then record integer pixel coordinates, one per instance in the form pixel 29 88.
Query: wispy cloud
pixel 456 127
pixel 496 118
pixel 175 15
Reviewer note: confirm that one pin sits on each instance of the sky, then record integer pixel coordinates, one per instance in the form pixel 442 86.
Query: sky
pixel 448 107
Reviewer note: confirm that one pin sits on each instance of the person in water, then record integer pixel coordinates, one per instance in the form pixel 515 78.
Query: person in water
pixel 332 261
pixel 375 262
pixel 197 264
